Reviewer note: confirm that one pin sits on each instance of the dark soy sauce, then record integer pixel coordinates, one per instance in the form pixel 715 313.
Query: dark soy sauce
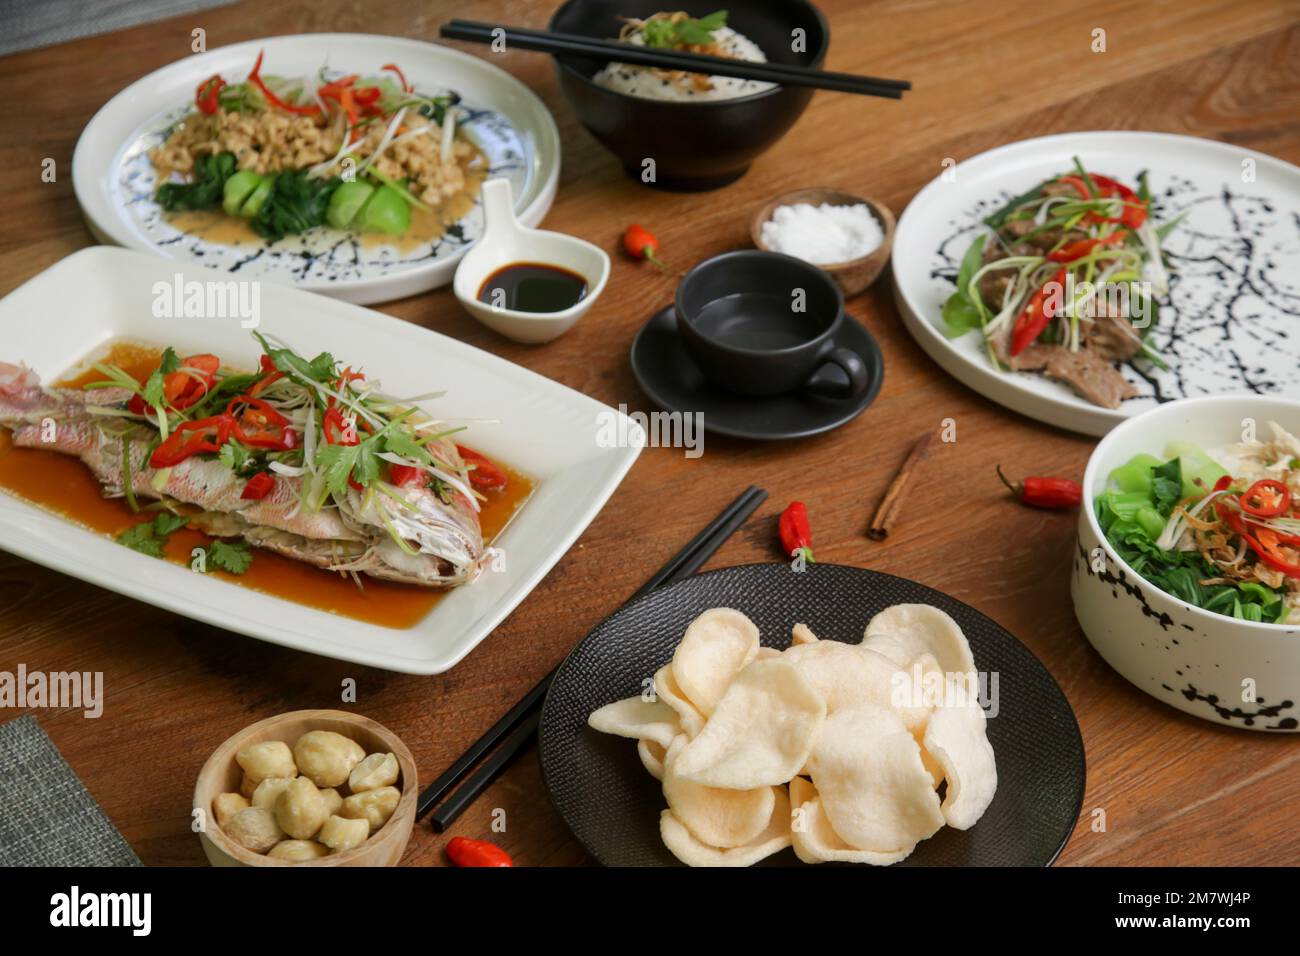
pixel 533 287
pixel 755 320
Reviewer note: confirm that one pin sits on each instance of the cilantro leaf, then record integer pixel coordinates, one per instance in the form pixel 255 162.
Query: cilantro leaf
pixel 658 33
pixel 170 361
pixel 700 32
pixel 141 538
pixel 233 557
pixel 150 537
pixel 336 463
pixel 666 34
pixel 402 443
pixel 233 455
pixel 322 368
pixel 164 523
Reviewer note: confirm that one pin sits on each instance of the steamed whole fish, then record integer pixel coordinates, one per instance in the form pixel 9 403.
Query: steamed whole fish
pixel 321 467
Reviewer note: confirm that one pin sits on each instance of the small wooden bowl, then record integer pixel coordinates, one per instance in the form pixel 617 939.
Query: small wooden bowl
pixel 221 774
pixel 856 275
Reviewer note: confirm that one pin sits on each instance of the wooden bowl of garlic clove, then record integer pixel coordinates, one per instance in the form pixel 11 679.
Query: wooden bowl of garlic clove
pixel 222 774
pixel 856 275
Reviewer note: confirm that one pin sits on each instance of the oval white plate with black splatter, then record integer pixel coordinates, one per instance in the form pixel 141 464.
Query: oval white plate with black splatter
pixel 115 182
pixel 1228 324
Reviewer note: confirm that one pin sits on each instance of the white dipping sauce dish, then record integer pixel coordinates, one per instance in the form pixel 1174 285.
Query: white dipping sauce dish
pixel 504 243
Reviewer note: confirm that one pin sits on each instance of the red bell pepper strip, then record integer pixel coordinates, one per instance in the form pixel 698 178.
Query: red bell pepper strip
pixel 1266 498
pixel 394 68
pixel 208 95
pixel 1035 316
pixel 796 535
pixel 1052 493
pixel 256 79
pixel 483 475
pixel 1077 250
pixel 205 436
pixel 466 852
pixel 258 487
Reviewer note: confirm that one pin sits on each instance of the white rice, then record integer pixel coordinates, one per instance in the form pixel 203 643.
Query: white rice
pixel 642 81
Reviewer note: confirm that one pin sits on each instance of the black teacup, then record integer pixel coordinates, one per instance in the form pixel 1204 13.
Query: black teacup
pixel 761 323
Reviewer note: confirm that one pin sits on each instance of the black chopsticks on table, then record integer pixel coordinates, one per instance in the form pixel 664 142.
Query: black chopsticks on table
pixel 515 730
pixel 572 44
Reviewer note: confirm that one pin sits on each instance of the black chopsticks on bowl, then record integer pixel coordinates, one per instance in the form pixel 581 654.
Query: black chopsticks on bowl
pixel 515 730
pixel 573 44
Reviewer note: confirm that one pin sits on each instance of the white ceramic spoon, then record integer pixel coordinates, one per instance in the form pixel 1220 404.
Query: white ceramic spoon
pixel 506 242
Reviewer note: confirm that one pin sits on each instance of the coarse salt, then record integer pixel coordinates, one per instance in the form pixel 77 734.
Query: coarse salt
pixel 823 234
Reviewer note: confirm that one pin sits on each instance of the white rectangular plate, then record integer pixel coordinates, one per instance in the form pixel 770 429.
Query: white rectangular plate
pixel 548 431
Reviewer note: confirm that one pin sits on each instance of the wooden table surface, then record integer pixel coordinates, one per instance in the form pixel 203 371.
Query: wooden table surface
pixel 1175 790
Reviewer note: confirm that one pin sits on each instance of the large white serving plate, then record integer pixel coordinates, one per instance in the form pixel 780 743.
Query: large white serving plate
pixel 1229 323
pixel 115 182
pixel 548 431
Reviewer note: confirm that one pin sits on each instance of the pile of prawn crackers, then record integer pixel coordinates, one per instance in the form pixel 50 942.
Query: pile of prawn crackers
pixel 843 751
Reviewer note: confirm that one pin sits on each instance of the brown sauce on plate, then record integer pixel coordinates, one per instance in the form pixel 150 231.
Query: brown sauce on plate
pixel 533 287
pixel 63 485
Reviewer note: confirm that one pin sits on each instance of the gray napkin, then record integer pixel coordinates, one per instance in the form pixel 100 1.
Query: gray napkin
pixel 47 818
pixel 27 24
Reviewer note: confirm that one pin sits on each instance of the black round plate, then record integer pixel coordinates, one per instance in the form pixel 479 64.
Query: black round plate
pixel 612 804
pixel 667 374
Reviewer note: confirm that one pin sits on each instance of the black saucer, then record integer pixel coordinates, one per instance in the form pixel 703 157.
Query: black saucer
pixel 668 375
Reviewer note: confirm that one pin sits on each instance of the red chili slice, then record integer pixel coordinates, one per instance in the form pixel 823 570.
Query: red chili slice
pixel 181 389
pixel 1266 498
pixel 208 95
pixel 405 475
pixel 394 68
pixel 256 79
pixel 273 374
pixel 205 436
pixel 258 487
pixel 1035 316
pixel 483 475
pixel 1077 250
pixel 258 425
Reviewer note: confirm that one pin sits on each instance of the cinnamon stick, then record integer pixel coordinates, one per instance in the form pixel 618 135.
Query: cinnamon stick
pixel 892 503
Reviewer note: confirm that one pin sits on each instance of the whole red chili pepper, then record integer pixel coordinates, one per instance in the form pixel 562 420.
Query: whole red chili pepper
pixel 466 852
pixel 796 537
pixel 641 243
pixel 1046 492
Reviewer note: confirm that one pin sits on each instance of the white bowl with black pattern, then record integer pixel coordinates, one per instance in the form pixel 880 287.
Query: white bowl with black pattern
pixel 1229 671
